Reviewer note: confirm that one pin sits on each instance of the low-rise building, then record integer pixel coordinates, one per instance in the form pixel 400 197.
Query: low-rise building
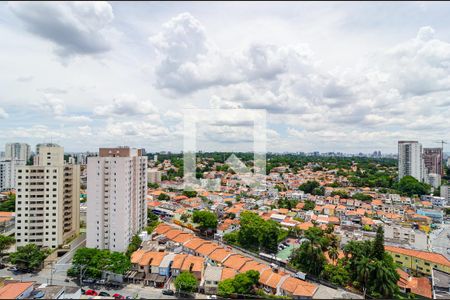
pixel 419 262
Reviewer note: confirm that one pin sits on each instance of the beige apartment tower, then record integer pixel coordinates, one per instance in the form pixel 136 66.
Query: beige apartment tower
pixel 116 193
pixel 48 200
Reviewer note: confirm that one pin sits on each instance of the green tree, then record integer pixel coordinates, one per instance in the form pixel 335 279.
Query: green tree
pixel 28 257
pixel 134 245
pixel 5 242
pixel 186 282
pixel 9 204
pixel 309 186
pixel 205 219
pixel 378 246
pixel 410 186
pixel 241 284
pixel 309 205
pixel 362 197
pixel 336 274
pixel 363 269
pixel 269 235
pixel 151 185
pixel 190 194
pixel 226 288
pixel 163 197
pixel 184 218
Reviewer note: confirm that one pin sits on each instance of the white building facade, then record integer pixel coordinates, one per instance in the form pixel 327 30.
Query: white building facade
pixel 19 151
pixel 410 161
pixel 47 200
pixel 116 193
pixel 7 173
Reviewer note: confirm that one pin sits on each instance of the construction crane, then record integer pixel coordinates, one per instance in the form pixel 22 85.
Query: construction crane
pixel 442 142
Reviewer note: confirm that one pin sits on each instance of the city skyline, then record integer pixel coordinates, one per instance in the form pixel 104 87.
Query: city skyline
pixel 110 79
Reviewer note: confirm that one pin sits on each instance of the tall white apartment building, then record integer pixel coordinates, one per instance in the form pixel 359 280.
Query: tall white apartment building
pixel 116 193
pixel 48 200
pixel 19 151
pixel 7 173
pixel 410 161
pixel 154 176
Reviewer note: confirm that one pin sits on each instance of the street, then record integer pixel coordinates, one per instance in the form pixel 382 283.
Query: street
pixel 58 278
pixel 439 240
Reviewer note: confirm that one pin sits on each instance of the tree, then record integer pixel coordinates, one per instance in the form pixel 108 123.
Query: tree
pixel 5 242
pixel 268 237
pixel 186 282
pixel 333 253
pixel 336 274
pixel 362 197
pixel 163 197
pixel 151 185
pixel 190 194
pixel 92 262
pixel 184 218
pixel 10 203
pixel 363 269
pixel 206 220
pixel 309 186
pixel 410 186
pixel 309 205
pixel 28 257
pixel 241 284
pixel 309 258
pixel 378 245
pixel 134 245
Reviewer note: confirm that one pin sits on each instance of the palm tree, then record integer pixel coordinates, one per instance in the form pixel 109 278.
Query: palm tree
pixel 363 270
pixel 333 253
pixel 384 279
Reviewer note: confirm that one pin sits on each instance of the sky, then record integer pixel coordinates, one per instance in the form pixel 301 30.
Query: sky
pixel 347 77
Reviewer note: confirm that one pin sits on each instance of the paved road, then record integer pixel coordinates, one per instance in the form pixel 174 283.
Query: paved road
pixel 439 240
pixel 58 278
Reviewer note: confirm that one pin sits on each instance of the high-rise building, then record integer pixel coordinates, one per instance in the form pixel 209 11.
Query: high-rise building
pixel 410 160
pixel 116 192
pixel 48 200
pixel 7 173
pixel 432 158
pixel 19 151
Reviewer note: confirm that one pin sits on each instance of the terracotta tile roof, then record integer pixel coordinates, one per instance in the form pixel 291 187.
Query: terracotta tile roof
pixel 274 280
pixel 305 289
pixel 227 273
pixel 418 285
pixel 305 226
pixel 162 228
pixel 264 276
pixel 178 261
pixel 152 258
pixel 207 248
pixel 137 255
pixel 183 238
pixel 252 265
pixel 171 234
pixel 194 243
pixel 219 254
pixel 14 289
pixel 236 261
pixel 193 263
pixel 424 255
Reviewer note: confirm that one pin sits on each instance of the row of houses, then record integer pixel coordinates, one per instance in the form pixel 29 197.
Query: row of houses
pixel 206 259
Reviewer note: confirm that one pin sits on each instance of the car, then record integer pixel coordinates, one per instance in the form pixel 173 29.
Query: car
pixel 101 281
pixel 118 296
pixel 168 292
pixel 38 295
pixel 89 281
pixel 91 293
pixel 212 297
pixel 13 269
pixel 104 294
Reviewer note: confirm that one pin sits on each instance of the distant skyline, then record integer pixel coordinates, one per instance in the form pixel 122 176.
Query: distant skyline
pixel 333 77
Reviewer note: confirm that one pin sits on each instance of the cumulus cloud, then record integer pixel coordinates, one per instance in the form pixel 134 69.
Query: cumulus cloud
pixel 75 28
pixel 127 105
pixel 189 61
pixel 56 107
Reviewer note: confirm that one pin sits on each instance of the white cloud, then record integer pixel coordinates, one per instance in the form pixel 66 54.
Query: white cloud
pixel 76 28
pixel 127 105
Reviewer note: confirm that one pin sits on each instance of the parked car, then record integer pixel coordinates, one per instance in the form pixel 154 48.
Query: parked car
pixel 168 292
pixel 104 294
pixel 13 269
pixel 118 296
pixel 91 293
pixel 300 275
pixel 89 281
pixel 38 295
